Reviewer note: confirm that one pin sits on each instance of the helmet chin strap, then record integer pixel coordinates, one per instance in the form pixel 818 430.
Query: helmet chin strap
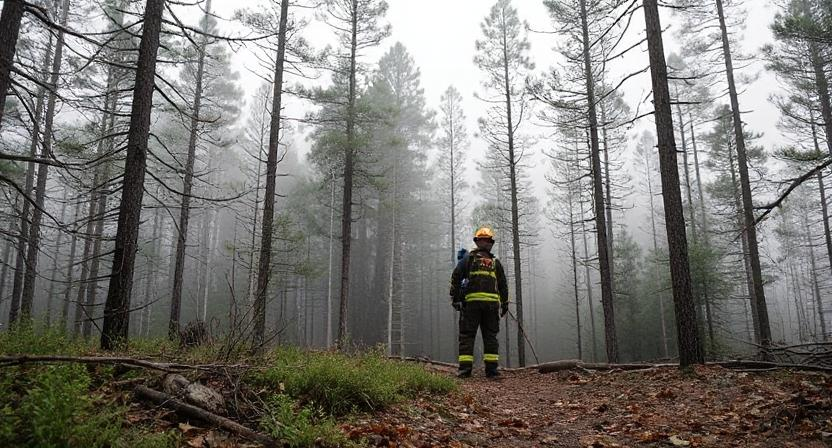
pixel 485 245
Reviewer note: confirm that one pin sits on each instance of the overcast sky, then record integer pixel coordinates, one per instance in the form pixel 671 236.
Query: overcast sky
pixel 440 35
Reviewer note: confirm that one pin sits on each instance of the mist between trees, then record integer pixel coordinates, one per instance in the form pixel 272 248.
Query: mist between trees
pixel 148 189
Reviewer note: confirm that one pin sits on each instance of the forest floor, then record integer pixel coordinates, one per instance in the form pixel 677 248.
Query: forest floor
pixel 708 407
pixel 298 398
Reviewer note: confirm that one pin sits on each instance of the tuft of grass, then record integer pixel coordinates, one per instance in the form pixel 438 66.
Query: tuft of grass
pixel 218 350
pixel 298 427
pixel 143 347
pixel 145 439
pixel 24 339
pixel 340 384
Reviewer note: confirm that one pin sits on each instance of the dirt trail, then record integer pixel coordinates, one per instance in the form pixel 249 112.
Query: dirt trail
pixel 711 407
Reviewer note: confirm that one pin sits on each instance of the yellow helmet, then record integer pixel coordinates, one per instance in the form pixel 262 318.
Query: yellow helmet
pixel 484 233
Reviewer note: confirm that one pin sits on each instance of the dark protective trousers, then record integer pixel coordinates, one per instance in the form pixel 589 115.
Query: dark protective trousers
pixel 484 316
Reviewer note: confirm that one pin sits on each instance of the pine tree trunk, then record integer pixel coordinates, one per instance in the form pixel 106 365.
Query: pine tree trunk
pixel 10 19
pixel 150 278
pixel 81 312
pixel 686 165
pixel 23 228
pixel 69 268
pixel 822 85
pixel 598 198
pixel 588 278
pixel 53 277
pixel 185 207
pixel 100 179
pixel 706 304
pixel 399 316
pixel 100 203
pixel 346 203
pixel 749 285
pixel 827 235
pixel 656 264
pixel 452 173
pixel 33 248
pixel 818 298
pixel 4 269
pixel 116 309
pixel 157 250
pixel 252 269
pixel 391 296
pixel 690 349
pixel 329 264
pixel 608 199
pixel 209 237
pixel 826 230
pixel 699 189
pixel 706 297
pixel 515 217
pixel 264 265
pixel 574 260
pixel 396 315
pixel 759 296
pixel 797 296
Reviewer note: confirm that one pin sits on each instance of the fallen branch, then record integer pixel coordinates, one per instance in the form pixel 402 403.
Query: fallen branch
pixel 191 411
pixel 120 360
pixel 424 360
pixel 523 332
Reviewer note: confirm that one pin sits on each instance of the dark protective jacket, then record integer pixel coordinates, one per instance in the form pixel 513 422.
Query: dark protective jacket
pixel 485 275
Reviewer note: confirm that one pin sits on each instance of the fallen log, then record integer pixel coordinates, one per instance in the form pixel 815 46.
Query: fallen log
pixel 191 411
pixel 748 364
pixel 425 360
pixel 572 364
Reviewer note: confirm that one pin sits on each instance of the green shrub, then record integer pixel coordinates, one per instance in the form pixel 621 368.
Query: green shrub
pixel 52 408
pixel 340 384
pixel 297 428
pixel 8 422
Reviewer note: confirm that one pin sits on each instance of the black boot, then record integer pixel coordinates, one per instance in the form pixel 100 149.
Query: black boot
pixel 465 370
pixel 491 370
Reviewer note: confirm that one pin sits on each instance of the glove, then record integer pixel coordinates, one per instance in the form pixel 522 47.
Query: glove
pixel 503 308
pixel 458 305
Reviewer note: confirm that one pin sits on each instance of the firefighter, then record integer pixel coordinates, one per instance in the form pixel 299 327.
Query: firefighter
pixel 480 292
